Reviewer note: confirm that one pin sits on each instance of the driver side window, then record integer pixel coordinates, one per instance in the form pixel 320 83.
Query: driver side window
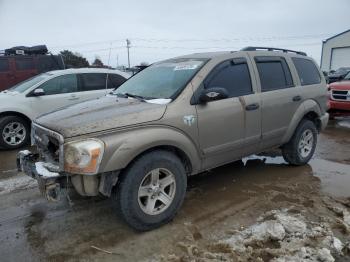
pixel 61 85
pixel 232 75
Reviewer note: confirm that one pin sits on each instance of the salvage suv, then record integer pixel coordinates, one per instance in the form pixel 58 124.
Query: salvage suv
pixel 177 118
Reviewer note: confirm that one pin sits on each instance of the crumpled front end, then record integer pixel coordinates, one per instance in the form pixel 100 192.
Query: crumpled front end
pixel 53 170
pixel 49 180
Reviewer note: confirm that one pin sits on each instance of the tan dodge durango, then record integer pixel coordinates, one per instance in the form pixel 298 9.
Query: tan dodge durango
pixel 174 119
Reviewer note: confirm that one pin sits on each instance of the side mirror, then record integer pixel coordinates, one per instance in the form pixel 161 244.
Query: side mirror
pixel 212 94
pixel 38 92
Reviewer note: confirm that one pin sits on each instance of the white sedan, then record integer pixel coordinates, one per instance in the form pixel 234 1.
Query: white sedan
pixel 48 92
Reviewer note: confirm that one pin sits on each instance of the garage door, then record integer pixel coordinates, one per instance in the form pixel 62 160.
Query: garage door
pixel 340 57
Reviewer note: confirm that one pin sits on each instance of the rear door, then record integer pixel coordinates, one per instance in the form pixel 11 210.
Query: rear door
pixel 280 97
pixel 24 68
pixel 311 82
pixel 114 81
pixel 6 76
pixel 223 124
pixel 60 91
pixel 92 85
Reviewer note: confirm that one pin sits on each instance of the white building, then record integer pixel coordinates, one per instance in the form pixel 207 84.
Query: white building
pixel 336 52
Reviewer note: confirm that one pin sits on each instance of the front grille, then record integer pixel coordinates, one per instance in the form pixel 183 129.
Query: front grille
pixel 48 143
pixel 341 95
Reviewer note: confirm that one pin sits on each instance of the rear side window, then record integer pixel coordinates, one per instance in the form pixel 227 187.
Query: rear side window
pixel 233 76
pixel 307 71
pixel 115 80
pixel 61 85
pixel 4 65
pixel 25 64
pixel 94 81
pixel 274 73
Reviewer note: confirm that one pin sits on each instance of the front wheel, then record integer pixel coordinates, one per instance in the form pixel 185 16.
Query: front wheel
pixel 151 190
pixel 15 132
pixel 299 150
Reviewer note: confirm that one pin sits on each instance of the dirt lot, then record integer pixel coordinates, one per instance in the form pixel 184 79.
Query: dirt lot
pixel 259 209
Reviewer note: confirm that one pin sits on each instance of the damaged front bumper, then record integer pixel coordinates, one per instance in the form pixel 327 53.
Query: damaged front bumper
pixel 49 180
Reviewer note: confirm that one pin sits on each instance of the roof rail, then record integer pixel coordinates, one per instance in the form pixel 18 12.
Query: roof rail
pixel 257 48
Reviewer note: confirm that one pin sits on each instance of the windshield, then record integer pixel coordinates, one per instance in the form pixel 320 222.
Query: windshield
pixel 347 77
pixel 23 86
pixel 342 70
pixel 161 80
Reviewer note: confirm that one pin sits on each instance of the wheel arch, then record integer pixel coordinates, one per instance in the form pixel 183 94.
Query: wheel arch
pixel 173 149
pixel 310 110
pixel 133 144
pixel 15 113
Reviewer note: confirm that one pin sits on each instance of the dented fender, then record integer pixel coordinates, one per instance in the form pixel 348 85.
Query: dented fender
pixel 124 146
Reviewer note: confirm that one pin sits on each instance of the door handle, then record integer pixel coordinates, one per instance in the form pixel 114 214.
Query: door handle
pixel 296 98
pixel 252 107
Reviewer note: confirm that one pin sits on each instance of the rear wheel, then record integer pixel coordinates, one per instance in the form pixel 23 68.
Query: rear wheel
pixel 14 132
pixel 302 145
pixel 151 190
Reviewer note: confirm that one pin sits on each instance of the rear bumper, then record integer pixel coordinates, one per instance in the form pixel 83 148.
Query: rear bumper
pixel 49 180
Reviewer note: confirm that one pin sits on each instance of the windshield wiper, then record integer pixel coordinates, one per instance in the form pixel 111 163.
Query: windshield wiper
pixel 141 98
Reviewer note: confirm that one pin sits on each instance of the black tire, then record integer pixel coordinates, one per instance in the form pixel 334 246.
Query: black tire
pixel 290 151
pixel 126 192
pixel 5 121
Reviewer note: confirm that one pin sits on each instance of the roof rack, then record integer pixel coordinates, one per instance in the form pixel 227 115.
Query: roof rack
pixel 257 48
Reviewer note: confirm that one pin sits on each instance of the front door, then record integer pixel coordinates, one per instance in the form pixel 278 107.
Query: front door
pixel 222 123
pixel 60 91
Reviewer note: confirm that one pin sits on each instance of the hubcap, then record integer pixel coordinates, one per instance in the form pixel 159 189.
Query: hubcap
pixel 157 191
pixel 14 133
pixel 306 143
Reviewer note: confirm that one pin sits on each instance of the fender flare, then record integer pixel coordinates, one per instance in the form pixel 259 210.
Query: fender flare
pixel 307 107
pixel 126 146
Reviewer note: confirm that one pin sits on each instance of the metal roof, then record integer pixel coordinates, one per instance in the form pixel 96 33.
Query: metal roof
pixel 336 35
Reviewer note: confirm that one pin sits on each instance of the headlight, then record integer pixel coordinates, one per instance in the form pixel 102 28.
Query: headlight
pixel 83 157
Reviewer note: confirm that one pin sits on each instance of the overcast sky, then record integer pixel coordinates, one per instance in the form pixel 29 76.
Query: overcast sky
pixel 160 29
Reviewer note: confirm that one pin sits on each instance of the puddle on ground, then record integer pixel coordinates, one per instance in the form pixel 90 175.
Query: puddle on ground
pixel 334 177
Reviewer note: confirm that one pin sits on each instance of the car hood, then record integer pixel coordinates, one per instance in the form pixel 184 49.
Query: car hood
pixel 99 115
pixel 7 94
pixel 342 85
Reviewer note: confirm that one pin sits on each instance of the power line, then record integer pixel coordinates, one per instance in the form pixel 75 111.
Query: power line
pixel 167 40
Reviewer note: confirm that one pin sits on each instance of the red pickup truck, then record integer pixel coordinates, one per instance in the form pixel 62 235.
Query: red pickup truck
pixel 339 97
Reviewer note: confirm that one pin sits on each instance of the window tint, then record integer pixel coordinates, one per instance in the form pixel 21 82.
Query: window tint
pixel 60 85
pixel 4 65
pixel 307 71
pixel 24 63
pixel 95 81
pixel 232 76
pixel 115 80
pixel 274 73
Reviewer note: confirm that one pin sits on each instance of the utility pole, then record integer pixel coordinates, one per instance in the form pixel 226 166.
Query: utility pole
pixel 109 55
pixel 128 47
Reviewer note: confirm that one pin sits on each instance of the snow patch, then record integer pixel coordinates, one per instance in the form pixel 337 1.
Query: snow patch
pixel 16 183
pixel 344 124
pixel 42 169
pixel 159 101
